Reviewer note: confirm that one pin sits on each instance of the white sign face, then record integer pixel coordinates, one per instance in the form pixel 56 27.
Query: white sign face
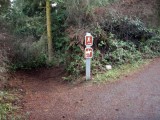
pixel 88 53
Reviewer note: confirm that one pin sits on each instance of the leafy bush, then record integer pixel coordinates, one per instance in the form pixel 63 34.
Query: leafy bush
pixel 31 28
pixel 120 52
pixel 117 40
pixel 59 26
pixel 5 4
pixel 128 29
pixel 24 25
pixel 109 49
pixel 29 54
pixel 75 61
pixel 151 47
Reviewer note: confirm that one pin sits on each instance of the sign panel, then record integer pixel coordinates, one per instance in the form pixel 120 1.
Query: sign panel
pixel 89 40
pixel 88 53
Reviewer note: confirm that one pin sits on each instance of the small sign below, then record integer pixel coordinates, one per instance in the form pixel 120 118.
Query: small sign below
pixel 88 53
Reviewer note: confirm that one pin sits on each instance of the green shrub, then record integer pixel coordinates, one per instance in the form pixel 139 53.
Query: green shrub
pixel 129 40
pixel 29 53
pixel 31 28
pixel 75 61
pixel 5 4
pixel 98 63
pixel 120 52
pixel 128 29
pixel 23 25
pixel 8 110
pixel 151 47
pixel 6 106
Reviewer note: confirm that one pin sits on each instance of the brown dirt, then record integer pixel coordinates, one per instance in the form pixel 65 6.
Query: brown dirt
pixel 136 97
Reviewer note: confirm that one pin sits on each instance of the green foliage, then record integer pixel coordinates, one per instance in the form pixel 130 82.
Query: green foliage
pixel 29 54
pixel 109 49
pixel 154 45
pixel 4 5
pixel 24 25
pixel 119 71
pixel 75 65
pixel 121 52
pixel 117 40
pixel 98 63
pixel 4 110
pixel 28 18
pixel 60 39
pixel 151 48
pixel 30 62
pixel 127 29
pixel 6 107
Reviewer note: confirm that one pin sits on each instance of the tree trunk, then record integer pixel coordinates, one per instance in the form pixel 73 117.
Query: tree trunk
pixel 49 35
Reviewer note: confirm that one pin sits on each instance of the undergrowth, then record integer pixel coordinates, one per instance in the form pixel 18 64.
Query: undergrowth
pixel 117 40
pixel 9 110
pixel 119 72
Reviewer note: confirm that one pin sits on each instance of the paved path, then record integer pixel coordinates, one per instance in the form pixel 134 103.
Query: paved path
pixel 136 97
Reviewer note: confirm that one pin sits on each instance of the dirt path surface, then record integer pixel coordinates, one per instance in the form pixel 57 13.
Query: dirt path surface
pixel 135 97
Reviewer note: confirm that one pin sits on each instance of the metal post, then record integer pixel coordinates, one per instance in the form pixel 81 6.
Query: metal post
pixel 88 54
pixel 88 68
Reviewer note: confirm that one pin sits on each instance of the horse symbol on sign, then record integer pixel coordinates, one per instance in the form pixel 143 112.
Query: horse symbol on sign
pixel 88 52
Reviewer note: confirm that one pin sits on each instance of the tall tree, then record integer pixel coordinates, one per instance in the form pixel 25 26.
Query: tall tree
pixel 31 8
pixel 49 35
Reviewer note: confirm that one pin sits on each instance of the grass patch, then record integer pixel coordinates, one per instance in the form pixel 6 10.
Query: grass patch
pixel 120 71
pixel 6 107
pixel 9 106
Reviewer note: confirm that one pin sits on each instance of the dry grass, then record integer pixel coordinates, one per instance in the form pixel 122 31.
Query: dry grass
pixel 120 71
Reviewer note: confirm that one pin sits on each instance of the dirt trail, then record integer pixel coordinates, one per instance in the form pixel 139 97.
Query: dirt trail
pixel 136 97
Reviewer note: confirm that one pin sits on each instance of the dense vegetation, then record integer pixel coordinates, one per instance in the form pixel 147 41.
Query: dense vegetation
pixel 118 39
